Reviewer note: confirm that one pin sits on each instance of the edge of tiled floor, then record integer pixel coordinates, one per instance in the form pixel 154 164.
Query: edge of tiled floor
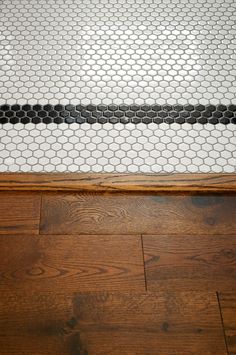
pixel 124 52
pixel 108 148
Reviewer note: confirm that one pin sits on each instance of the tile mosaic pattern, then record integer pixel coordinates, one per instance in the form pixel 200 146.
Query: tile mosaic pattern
pixel 118 148
pixel 118 85
pixel 115 114
pixel 118 52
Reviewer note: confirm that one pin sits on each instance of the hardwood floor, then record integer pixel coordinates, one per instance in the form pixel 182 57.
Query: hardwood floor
pixel 117 273
pixel 193 262
pixel 19 212
pixel 93 213
pixel 228 309
pixel 111 323
pixel 79 263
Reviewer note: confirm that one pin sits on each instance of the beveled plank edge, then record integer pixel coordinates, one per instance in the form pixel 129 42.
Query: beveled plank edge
pixel 102 182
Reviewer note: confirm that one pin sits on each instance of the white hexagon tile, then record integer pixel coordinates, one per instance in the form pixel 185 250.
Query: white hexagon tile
pixel 118 85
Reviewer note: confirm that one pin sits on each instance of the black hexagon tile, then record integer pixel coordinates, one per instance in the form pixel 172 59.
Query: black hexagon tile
pixel 117 114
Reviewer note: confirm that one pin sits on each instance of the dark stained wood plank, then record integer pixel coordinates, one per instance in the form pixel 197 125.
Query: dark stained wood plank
pixel 192 262
pixel 119 182
pixel 96 213
pixel 73 263
pixel 153 323
pixel 111 324
pixel 19 212
pixel 228 309
pixel 36 323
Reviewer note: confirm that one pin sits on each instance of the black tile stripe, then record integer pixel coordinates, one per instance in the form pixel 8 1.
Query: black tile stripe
pixel 115 114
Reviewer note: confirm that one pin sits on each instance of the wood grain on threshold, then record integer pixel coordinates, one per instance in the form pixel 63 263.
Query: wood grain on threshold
pixel 119 182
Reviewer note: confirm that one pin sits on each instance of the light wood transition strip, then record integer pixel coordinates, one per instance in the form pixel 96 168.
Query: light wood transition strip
pixel 103 182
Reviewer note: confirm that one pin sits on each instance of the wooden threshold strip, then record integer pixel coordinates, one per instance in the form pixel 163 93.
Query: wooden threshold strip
pixel 103 182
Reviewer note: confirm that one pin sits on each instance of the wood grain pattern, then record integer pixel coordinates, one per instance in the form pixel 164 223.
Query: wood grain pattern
pixel 71 263
pixel 111 324
pixel 228 309
pixel 192 262
pixel 19 212
pixel 161 323
pixel 119 182
pixel 96 213
pixel 36 323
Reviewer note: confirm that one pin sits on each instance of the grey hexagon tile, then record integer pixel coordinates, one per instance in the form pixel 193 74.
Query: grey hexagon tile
pixel 117 53
pixel 135 153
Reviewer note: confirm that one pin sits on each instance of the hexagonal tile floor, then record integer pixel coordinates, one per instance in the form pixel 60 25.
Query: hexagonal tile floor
pixel 118 85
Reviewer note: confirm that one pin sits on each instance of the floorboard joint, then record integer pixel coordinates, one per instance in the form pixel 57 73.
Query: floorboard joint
pixel 144 268
pixel 222 323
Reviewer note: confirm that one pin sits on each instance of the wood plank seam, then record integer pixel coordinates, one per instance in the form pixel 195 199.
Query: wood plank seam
pixel 222 323
pixel 40 212
pixel 144 268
